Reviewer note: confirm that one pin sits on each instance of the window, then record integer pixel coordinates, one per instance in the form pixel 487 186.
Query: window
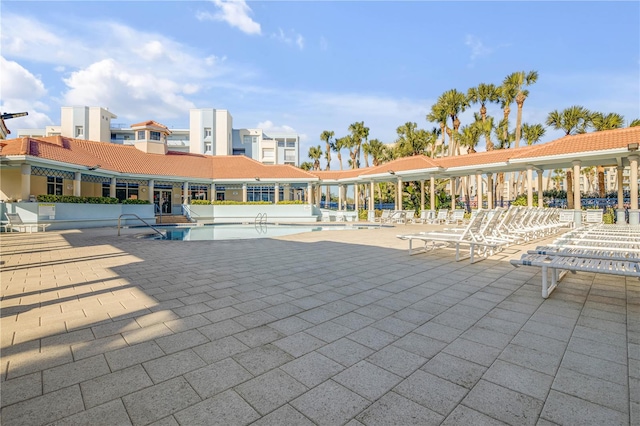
pixel 154 136
pixel 239 151
pixel 249 139
pixel 280 144
pixel 141 135
pixel 291 144
pixel 54 185
pixel 267 153
pixel 208 147
pixel 207 132
pixel 79 131
pixel 289 155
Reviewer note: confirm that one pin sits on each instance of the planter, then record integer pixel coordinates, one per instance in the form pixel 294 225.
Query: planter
pixel 76 216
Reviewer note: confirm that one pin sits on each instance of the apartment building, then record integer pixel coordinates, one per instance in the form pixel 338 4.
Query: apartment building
pixel 210 132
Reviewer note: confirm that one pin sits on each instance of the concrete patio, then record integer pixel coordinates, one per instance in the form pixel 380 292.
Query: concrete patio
pixel 326 328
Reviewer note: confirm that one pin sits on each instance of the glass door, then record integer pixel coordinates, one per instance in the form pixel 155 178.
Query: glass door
pixel 162 199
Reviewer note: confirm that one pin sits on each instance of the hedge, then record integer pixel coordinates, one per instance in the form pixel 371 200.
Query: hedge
pixel 85 200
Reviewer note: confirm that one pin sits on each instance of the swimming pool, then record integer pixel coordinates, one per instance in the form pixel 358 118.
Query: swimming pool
pixel 218 232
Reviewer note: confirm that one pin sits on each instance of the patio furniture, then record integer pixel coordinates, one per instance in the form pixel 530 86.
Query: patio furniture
pixel 14 222
pixel 600 249
pixel 472 236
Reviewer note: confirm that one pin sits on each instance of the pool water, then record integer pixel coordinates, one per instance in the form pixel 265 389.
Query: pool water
pixel 239 232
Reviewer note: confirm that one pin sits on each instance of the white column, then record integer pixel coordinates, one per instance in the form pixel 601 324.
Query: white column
pixel 340 195
pixel 620 213
pixel 356 196
pixel 540 195
pixel 151 186
pixel 634 213
pixel 276 193
pixel 371 196
pixel 577 203
pixel 399 207
pixel 422 195
pixel 25 181
pixel 310 193
pixel 77 184
pixel 244 192
pixel 530 186
pixel 479 189
pixel 185 193
pixel 432 192
pixel 286 193
pixel 212 192
pixel 112 188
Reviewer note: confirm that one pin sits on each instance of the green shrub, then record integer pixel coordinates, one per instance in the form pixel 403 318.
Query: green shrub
pixel 135 201
pixel 75 200
pixel 291 202
pixel 609 216
pixel 200 202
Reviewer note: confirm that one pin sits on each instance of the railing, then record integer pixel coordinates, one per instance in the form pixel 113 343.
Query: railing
pixel 141 220
pixel 261 219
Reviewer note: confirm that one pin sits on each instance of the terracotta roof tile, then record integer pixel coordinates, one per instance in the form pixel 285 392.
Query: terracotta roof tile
pixel 149 123
pixel 129 160
pixel 402 164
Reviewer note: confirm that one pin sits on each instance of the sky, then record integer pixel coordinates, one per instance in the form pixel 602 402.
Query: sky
pixel 309 66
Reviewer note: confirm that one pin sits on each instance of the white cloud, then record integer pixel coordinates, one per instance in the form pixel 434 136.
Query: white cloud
pixel 290 38
pixel 18 83
pixel 235 13
pixel 22 92
pixel 133 95
pixel 478 49
pixel 268 126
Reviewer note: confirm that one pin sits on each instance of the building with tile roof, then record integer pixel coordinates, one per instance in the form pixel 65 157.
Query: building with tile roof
pixel 70 166
pixel 210 132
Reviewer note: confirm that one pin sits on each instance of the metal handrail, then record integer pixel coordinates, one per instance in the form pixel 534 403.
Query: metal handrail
pixel 261 219
pixel 140 219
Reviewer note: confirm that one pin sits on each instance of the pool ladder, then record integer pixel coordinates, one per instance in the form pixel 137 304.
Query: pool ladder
pixel 140 219
pixel 261 219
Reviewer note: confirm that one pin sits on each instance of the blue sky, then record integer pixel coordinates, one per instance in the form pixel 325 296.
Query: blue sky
pixel 310 66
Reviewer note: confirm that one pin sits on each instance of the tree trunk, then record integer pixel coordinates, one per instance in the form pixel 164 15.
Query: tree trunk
pixel 569 189
pixel 601 183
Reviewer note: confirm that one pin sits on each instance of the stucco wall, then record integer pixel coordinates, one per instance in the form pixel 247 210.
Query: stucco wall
pixel 10 184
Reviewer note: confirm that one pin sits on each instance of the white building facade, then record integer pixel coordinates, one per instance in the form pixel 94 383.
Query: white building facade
pixel 210 132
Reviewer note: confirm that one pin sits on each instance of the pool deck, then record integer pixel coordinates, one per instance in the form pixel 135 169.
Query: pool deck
pixel 325 328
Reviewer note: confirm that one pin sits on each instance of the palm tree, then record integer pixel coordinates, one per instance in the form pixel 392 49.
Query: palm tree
pixel 519 80
pixel 470 137
pixel 315 153
pixel 306 166
pixel 337 146
pixel 326 136
pixel 635 123
pixel 454 103
pixel 411 140
pixel 358 133
pixel 572 120
pixel 351 145
pixel 557 178
pixel 532 133
pixel 600 122
pixel 507 94
pixel 439 115
pixel 481 95
pixel 376 150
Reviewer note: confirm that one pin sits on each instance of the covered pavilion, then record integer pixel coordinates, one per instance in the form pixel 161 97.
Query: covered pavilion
pixel 33 166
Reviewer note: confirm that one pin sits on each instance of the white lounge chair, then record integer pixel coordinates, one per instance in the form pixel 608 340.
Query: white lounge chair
pixel 15 223
pixel 472 236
